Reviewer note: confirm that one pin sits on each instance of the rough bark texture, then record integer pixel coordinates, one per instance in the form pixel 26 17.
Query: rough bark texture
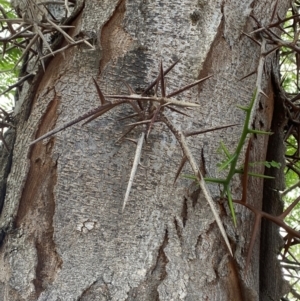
pixel 66 236
pixel 271 284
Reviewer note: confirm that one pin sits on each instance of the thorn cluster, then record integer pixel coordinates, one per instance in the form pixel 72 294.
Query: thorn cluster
pixel 31 33
pixel 149 110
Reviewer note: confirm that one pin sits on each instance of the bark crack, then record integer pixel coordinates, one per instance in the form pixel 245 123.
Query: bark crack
pixel 184 212
pixel 115 41
pixel 147 290
pixel 37 204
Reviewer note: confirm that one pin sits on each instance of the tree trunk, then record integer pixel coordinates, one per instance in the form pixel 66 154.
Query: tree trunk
pixel 64 235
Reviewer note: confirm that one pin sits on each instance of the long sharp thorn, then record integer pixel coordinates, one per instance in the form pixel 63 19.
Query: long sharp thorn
pixel 171 101
pixel 126 132
pixel 100 94
pixel 272 50
pixel 67 37
pixel 274 11
pixel 139 123
pixel 263 93
pixel 255 41
pixel 32 41
pixel 157 81
pixel 289 209
pixel 153 119
pixel 130 90
pixel 68 124
pixel 186 151
pixel 136 109
pixel 131 140
pixel 165 73
pixel 136 162
pixel 97 115
pixel 177 111
pixel 189 86
pixel 162 80
pixel 182 163
pixel 43 38
pixel 129 116
pixel 188 134
pixel 251 73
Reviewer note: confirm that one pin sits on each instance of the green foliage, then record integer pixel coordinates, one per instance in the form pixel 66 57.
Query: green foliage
pixel 9 56
pixel 232 159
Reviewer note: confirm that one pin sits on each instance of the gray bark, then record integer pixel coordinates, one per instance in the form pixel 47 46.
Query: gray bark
pixel 66 236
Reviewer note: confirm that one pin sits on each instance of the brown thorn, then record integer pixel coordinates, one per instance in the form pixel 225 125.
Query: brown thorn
pixel 62 49
pixel 97 115
pixel 289 209
pixel 139 123
pixel 251 73
pixel 130 90
pixel 181 165
pixel 188 134
pixel 171 101
pixel 70 123
pixel 43 38
pixel 272 50
pixel 136 108
pixel 126 132
pixel 177 111
pixel 186 151
pixel 153 119
pixel 274 10
pixel 103 101
pixel 189 86
pixel 165 73
pixel 255 41
pixel 32 41
pixel 263 93
pixel 129 116
pixel 162 80
pixel 131 140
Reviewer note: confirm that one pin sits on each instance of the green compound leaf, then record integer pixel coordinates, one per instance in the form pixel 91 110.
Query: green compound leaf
pixel 227 163
pixel 275 164
pixel 224 149
pixel 260 176
pixel 230 202
pixel 189 176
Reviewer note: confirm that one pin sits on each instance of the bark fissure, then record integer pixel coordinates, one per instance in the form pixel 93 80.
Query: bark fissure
pixel 184 212
pixel 272 286
pixel 37 205
pixel 115 41
pixel 148 289
pixel 208 62
pixel 5 163
pixel 98 290
pixel 178 230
